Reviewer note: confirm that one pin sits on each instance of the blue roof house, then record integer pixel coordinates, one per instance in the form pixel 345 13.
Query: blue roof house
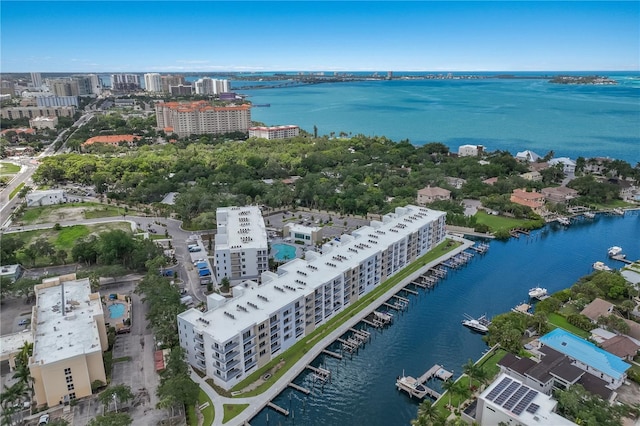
pixel 588 356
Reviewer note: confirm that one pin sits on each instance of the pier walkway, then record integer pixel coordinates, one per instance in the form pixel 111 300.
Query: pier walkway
pixel 257 403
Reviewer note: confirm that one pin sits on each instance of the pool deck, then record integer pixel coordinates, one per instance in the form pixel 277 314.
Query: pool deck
pixel 118 323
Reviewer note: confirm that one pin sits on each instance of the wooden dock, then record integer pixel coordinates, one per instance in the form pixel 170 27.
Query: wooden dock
pixel 320 374
pixel 408 290
pixel 621 258
pixel 299 388
pixel 333 354
pixel 278 408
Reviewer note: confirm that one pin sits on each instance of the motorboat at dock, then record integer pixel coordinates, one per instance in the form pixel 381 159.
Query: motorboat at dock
pixel 614 251
pixel 537 293
pixel 479 325
pixel 600 266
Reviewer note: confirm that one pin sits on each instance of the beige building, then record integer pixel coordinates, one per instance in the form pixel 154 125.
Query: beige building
pixel 11 113
pixel 200 117
pixel 274 132
pixel 470 150
pixel 559 194
pixel 307 234
pixel 43 122
pixel 430 194
pixel 69 336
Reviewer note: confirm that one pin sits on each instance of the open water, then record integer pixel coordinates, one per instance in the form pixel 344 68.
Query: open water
pixel 430 332
pixel 501 114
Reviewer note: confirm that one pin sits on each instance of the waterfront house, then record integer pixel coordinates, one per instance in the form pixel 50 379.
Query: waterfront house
pixel 535 200
pixel 455 182
pixel 588 357
pixel 527 156
pixel 537 167
pixel 470 150
pixel 430 194
pixel 621 346
pixel 634 329
pixel 509 401
pixel 559 194
pixel 597 308
pixel 568 165
pixel 490 181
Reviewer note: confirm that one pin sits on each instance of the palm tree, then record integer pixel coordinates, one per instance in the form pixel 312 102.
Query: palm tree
pixel 471 370
pixel 428 414
pixel 449 387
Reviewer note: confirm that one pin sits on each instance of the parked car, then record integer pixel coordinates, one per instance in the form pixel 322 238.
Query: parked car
pixel 44 419
pixel 24 322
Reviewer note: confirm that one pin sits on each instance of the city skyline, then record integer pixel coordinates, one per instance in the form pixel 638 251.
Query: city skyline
pixel 203 36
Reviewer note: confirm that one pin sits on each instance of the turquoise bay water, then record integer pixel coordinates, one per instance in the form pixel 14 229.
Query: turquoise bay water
pixel 502 114
pixel 429 332
pixel 116 310
pixel 284 252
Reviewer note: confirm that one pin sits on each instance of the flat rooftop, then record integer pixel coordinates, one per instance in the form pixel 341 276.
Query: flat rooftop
pixel 300 278
pixel 585 352
pixel 64 321
pixel 243 227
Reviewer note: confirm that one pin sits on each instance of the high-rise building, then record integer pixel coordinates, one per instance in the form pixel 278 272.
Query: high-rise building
pixel 220 86
pixel 205 86
pixel 96 84
pixel 36 80
pixel 171 80
pixel 237 336
pixel 63 87
pixel 153 82
pixel 125 82
pixel 241 250
pixel 181 89
pixel 201 118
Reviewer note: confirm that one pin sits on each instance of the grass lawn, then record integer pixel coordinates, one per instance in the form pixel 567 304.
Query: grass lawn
pixel 9 169
pixel 64 239
pixel 208 412
pixel 230 411
pixel 496 223
pixel 68 211
pixel 16 190
pixel 558 320
pixel 293 354
pixel 103 211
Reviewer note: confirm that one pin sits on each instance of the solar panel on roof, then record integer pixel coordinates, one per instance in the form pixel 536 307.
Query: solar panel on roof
pixel 506 393
pixel 532 408
pixel 524 402
pixel 515 397
pixel 499 388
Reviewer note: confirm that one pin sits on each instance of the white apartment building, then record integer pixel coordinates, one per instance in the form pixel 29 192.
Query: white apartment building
pixel 153 82
pixel 234 337
pixel 274 132
pixel 43 122
pixel 205 86
pixel 125 82
pixel 69 336
pixel 220 86
pixel 201 117
pixel 241 249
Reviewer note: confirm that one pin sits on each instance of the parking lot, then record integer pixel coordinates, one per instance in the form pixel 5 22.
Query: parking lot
pixel 333 225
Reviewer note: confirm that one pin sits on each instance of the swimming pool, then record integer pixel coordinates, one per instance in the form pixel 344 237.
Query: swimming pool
pixel 283 252
pixel 116 310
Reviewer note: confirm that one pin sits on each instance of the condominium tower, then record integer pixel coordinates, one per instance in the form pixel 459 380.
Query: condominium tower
pixel 241 250
pixel 201 118
pixel 237 336
pixel 153 82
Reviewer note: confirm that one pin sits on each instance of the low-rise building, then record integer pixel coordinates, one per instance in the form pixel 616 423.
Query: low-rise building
pixel 48 197
pixel 527 156
pixel 532 176
pixel 509 401
pixel 274 132
pixel 455 182
pixel 588 357
pixel 12 113
pixel 306 234
pixel 597 308
pixel 621 346
pixel 43 122
pixel 12 272
pixel 559 194
pixel 430 194
pixel 69 336
pixel 568 165
pixel 470 150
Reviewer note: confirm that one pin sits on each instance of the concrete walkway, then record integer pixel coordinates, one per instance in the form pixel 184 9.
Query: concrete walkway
pixel 257 403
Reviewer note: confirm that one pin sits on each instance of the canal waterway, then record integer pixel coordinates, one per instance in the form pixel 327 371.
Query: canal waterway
pixel 362 390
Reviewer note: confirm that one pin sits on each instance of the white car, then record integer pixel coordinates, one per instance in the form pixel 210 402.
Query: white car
pixel 44 419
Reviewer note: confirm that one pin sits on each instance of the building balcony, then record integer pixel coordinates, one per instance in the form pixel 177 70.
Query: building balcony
pixel 200 347
pixel 230 365
pixel 201 364
pixel 199 338
pixel 200 357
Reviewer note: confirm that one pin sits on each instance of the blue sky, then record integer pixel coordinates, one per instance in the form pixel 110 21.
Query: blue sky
pixel 168 36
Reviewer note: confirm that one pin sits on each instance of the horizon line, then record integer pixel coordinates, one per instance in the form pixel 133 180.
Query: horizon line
pixel 317 71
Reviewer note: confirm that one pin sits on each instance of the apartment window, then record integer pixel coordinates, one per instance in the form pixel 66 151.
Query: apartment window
pixel 70 387
pixel 72 395
pixel 261 327
pixel 69 379
pixel 67 371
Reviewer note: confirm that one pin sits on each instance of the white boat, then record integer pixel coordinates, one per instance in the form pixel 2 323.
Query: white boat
pixel 412 386
pixel 537 292
pixel 618 211
pixel 614 251
pixel 589 215
pixel 480 325
pixel 564 221
pixel 600 266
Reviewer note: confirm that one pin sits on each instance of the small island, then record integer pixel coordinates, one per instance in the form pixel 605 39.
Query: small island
pixel 590 79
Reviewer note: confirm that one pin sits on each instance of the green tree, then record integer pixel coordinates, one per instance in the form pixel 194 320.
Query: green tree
pixel 118 394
